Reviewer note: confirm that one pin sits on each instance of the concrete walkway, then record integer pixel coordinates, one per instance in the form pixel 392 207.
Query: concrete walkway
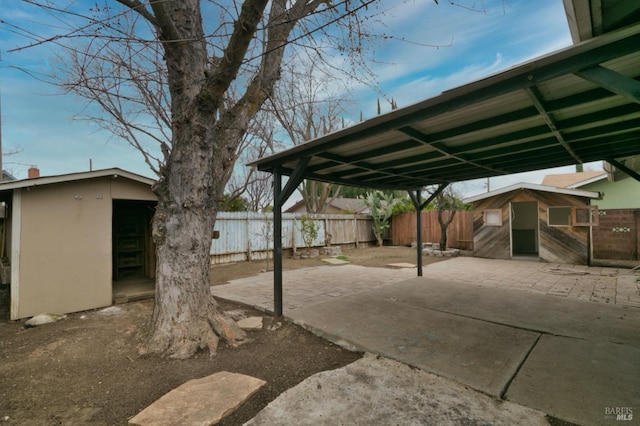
pixel 519 331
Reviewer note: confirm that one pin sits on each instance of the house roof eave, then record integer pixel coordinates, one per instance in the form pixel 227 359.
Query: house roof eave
pixel 73 177
pixel 535 187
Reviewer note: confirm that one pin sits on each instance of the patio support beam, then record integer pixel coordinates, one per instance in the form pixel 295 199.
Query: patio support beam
pixel 295 179
pixel 612 81
pixel 538 101
pixel 416 199
pixel 277 243
pixel 632 173
pixel 280 196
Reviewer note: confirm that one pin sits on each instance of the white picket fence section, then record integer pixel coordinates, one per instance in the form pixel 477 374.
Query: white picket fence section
pixel 249 235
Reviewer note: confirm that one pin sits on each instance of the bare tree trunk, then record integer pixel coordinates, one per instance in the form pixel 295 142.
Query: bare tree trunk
pixel 186 317
pixel 444 225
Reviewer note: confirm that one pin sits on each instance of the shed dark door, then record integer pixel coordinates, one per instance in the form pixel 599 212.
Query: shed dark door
pixel 524 228
pixel 130 235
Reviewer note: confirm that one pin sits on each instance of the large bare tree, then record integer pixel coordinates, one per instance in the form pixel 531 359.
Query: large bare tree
pixel 217 82
pixel 205 134
pixel 310 103
pixel 181 80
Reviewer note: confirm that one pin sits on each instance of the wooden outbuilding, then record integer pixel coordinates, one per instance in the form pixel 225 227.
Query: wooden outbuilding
pixel 531 221
pixel 67 239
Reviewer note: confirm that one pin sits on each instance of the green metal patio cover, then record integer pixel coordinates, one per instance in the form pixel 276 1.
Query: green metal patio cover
pixel 577 105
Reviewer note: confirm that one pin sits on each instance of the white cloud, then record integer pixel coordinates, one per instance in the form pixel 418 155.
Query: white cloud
pixel 425 87
pixel 509 33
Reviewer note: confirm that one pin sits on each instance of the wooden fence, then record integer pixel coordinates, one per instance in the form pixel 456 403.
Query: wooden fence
pixel 249 236
pixel 459 233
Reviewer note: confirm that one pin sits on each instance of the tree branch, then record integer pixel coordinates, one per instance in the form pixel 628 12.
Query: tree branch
pixel 141 9
pixel 243 32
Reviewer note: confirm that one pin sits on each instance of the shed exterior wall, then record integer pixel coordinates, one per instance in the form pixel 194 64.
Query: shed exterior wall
pixel 65 248
pixel 492 241
pixel 125 189
pixel 63 261
pixel 556 244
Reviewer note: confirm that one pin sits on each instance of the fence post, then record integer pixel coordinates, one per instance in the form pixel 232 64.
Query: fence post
pixel 248 228
pixel 293 234
pixel 355 230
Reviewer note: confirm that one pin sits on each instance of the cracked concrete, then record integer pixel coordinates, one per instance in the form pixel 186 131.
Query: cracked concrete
pixel 553 338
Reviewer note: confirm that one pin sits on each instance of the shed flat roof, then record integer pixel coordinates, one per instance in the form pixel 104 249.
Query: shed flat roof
pixel 577 105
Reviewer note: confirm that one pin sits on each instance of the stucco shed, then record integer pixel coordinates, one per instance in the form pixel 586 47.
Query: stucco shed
pixel 67 238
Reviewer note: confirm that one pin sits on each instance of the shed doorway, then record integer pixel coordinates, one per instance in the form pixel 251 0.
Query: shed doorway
pixel 133 250
pixel 524 229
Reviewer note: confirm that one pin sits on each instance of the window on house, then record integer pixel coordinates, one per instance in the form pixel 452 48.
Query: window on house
pixel 559 216
pixel 492 217
pixel 585 216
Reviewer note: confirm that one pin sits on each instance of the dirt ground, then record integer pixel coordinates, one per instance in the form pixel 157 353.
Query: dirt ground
pixel 85 368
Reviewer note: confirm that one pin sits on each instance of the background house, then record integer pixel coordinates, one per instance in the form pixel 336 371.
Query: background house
pixel 533 221
pixel 66 239
pixel 619 191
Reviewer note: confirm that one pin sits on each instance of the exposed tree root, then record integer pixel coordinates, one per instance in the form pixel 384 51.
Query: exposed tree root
pixel 182 340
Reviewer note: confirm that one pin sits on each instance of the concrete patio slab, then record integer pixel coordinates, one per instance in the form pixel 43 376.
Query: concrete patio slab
pixel 556 338
pixel 479 354
pixel 580 381
pixel 379 391
pixel 527 311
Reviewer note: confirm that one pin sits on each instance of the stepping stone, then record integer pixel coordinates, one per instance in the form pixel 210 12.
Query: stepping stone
pixel 334 261
pixel 251 323
pixel 200 401
pixel 401 265
pixel 42 319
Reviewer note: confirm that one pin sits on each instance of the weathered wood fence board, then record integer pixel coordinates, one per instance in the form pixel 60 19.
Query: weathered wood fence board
pixel 249 236
pixel 459 233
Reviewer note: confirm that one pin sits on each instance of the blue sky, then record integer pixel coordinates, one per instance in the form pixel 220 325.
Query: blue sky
pixel 38 121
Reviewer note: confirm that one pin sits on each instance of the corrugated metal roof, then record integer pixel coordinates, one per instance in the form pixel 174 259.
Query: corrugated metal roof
pixel 590 18
pixel 577 105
